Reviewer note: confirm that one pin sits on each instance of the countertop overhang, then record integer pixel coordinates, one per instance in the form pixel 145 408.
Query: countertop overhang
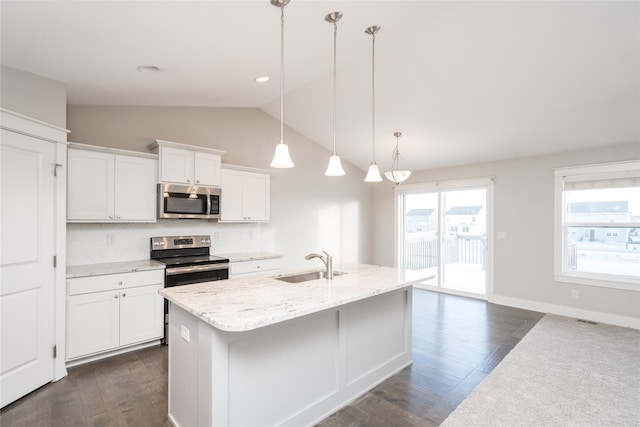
pixel 245 304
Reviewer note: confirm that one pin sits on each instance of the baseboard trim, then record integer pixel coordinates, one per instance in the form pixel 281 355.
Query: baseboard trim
pixel 594 316
pixel 94 357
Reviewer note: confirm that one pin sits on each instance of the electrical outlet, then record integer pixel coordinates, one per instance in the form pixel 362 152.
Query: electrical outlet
pixel 575 294
pixel 110 239
pixel 216 236
pixel 184 332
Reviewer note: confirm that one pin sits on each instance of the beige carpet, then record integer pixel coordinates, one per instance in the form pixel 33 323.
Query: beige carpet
pixel 563 373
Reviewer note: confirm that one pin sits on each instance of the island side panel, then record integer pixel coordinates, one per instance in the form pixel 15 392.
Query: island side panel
pixel 378 333
pixel 184 374
pixel 292 373
pixel 279 371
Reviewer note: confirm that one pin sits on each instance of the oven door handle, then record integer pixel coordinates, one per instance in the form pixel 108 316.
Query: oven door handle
pixel 172 271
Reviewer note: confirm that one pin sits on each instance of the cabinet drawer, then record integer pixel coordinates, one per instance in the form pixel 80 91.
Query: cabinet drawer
pixel 255 266
pixel 85 285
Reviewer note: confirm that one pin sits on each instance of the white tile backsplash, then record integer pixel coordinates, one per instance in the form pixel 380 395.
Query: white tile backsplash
pixel 98 243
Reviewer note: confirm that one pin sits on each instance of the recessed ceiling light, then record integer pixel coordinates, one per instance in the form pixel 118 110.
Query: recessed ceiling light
pixel 148 69
pixel 262 79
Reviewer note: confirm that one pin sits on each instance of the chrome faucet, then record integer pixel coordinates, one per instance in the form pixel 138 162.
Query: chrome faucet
pixel 328 261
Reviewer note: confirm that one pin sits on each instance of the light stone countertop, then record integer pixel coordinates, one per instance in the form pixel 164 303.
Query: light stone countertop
pixel 244 304
pixel 89 270
pixel 250 256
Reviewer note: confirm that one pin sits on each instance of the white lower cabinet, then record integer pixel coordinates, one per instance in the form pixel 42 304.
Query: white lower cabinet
pixel 111 312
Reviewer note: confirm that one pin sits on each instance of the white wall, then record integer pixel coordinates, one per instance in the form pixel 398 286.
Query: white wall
pixel 523 195
pixel 33 96
pixel 309 211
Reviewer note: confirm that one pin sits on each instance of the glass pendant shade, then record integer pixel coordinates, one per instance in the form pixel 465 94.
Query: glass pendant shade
pixel 397 176
pixel 373 175
pixel 335 166
pixel 281 159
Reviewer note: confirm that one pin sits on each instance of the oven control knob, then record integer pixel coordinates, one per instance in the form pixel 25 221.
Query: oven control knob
pixel 205 241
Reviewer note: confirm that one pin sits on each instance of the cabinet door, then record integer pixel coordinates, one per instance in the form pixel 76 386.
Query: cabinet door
pixel 257 196
pixel 176 165
pixel 92 323
pixel 90 185
pixel 231 200
pixel 207 169
pixel 141 314
pixel 135 189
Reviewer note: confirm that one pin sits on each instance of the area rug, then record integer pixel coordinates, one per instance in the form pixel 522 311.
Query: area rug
pixel 564 372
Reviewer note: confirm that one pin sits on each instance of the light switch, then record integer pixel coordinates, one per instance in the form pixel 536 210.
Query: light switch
pixel 502 235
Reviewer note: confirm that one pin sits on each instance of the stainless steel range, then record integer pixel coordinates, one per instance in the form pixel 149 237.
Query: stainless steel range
pixel 188 261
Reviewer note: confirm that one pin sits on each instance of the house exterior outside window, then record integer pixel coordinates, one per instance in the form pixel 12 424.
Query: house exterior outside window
pixel 597 218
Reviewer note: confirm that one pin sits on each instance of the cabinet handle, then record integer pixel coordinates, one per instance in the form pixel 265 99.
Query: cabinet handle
pixel 120 283
pixel 118 216
pixel 124 295
pixel 188 180
pixel 110 216
pixel 197 181
pixel 116 296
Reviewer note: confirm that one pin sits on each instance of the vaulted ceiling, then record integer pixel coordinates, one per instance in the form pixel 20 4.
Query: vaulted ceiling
pixel 463 81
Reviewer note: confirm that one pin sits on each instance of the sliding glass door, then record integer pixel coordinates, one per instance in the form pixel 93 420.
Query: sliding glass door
pixel 443 232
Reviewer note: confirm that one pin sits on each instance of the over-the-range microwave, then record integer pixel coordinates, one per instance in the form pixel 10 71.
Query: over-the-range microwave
pixel 184 201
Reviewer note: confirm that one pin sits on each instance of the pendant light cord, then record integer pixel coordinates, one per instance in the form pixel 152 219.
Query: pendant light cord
pixel 282 74
pixel 335 35
pixel 373 97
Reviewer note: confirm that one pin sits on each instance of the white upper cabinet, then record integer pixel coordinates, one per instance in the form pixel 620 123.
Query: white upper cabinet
pixel 135 188
pixel 187 164
pixel 105 185
pixel 245 195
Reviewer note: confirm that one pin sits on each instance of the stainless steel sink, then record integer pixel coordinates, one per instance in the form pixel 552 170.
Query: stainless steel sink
pixel 305 277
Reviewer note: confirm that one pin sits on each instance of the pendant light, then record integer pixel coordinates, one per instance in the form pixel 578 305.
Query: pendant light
pixel 397 175
pixel 335 165
pixel 281 159
pixel 373 175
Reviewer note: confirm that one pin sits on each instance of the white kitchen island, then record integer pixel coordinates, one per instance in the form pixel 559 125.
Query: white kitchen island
pixel 261 352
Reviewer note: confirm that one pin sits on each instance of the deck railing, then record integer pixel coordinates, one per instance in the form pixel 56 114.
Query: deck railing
pixel 422 252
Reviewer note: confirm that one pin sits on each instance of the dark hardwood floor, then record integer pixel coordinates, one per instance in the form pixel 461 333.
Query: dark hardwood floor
pixel 456 343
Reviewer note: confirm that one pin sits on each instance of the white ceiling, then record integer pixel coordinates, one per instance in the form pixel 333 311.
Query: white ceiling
pixel 463 81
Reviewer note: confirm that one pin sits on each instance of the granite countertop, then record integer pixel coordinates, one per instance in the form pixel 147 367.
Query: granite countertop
pixel 250 256
pixel 244 304
pixel 88 270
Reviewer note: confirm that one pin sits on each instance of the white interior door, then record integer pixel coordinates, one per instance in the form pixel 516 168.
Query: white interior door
pixel 26 265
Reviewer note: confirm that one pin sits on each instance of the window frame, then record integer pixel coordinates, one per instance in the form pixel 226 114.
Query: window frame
pixel 587 173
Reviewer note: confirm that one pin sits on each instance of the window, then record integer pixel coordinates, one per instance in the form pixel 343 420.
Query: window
pixel 597 217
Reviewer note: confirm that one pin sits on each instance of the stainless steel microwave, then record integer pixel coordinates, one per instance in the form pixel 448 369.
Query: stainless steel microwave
pixel 184 201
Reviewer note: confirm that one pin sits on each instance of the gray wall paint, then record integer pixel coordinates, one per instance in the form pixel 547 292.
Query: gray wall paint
pixel 523 200
pixel 33 96
pixel 309 211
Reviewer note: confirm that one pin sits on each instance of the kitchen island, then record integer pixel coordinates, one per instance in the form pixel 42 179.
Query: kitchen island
pixel 259 351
